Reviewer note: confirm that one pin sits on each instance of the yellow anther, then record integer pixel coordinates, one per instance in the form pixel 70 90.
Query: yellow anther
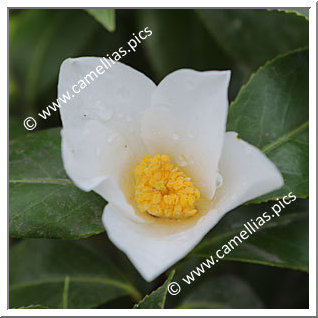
pixel 160 186
pixel 163 190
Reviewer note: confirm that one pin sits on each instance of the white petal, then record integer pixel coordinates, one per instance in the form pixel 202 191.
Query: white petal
pixel 247 173
pixel 187 121
pixel 154 247
pixel 101 124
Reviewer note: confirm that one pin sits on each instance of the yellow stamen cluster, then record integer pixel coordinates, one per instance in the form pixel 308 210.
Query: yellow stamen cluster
pixel 163 190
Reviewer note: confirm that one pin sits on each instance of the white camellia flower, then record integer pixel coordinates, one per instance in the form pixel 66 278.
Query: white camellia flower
pixel 159 155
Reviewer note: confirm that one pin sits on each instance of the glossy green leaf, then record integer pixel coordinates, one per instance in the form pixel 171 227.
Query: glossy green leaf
pixel 39 42
pixel 13 90
pixel 63 274
pixel 223 292
pixel 104 16
pixel 168 46
pixel 180 40
pixel 43 202
pixel 16 128
pixel 281 242
pixel 304 12
pixel 253 37
pixel 34 307
pixel 157 299
pixel 271 112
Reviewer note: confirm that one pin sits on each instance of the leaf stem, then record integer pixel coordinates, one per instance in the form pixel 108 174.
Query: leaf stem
pixel 285 137
pixel 42 180
pixel 65 292
pixel 136 296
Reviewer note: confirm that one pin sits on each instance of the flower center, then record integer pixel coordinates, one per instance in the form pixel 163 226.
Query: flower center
pixel 163 190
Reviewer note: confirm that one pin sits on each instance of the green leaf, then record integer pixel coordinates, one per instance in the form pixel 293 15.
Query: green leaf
pixel 33 307
pixel 157 299
pixel 43 202
pixel 168 46
pixel 104 16
pixel 180 40
pixel 16 128
pixel 303 12
pixel 63 274
pixel 253 37
pixel 13 90
pixel 46 38
pixel 271 112
pixel 223 292
pixel 281 242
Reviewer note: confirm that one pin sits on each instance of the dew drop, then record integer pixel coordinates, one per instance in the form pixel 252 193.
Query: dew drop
pixel 182 161
pixel 98 151
pixel 219 180
pixel 190 135
pixel 107 114
pixel 98 111
pixel 175 136
pixel 122 93
pixel 102 111
pixel 110 138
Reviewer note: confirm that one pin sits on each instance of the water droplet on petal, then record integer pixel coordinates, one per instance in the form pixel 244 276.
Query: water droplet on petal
pixel 107 114
pixel 99 111
pixel 190 135
pixel 98 151
pixel 122 93
pixel 111 137
pixel 182 161
pixel 175 136
pixel 219 180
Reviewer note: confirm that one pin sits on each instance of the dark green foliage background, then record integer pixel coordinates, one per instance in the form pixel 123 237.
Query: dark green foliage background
pixel 60 256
